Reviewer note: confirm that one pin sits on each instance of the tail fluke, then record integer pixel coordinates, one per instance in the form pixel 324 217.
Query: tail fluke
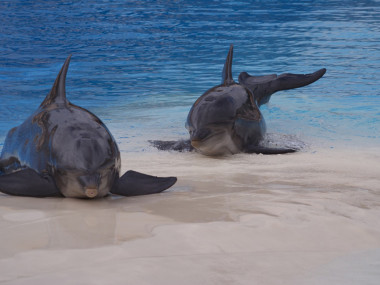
pixel 263 87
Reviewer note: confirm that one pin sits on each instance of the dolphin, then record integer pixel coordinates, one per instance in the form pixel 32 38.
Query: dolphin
pixel 65 150
pixel 226 119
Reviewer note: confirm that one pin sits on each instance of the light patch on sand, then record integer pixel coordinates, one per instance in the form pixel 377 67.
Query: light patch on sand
pixel 23 216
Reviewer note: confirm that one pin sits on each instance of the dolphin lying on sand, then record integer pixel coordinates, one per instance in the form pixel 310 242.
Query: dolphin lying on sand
pixel 64 150
pixel 226 119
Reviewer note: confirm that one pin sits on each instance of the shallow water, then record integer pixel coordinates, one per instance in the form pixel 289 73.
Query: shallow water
pixel 140 66
pixel 305 218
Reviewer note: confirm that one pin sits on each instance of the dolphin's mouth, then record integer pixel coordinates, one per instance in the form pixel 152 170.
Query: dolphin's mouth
pixel 216 143
pixel 197 141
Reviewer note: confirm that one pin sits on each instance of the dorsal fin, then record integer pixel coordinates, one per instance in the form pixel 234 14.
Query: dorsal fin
pixel 57 93
pixel 227 79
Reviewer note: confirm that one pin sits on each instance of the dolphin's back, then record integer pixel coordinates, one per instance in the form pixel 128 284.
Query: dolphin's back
pixel 88 142
pixel 54 134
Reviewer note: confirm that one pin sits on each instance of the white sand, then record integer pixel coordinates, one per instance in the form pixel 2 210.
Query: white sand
pixel 307 218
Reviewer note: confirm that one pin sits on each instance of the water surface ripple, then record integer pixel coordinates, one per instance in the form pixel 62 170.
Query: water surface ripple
pixel 139 65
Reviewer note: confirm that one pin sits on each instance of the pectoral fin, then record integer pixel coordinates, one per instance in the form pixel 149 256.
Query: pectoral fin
pixel 27 182
pixel 133 183
pixel 180 145
pixel 267 150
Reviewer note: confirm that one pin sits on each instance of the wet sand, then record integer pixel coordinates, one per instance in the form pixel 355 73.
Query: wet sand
pixel 306 218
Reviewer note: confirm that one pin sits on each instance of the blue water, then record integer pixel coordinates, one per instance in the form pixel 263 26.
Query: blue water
pixel 139 65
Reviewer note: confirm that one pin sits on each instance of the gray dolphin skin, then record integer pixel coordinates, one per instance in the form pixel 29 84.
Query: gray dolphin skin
pixel 226 119
pixel 64 150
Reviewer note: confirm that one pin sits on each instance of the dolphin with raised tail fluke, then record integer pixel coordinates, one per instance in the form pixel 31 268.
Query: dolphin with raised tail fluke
pixel 226 119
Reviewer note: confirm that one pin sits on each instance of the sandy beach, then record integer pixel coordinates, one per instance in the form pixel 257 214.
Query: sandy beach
pixel 306 218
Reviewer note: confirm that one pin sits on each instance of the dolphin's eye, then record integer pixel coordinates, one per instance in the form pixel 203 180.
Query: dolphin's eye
pixel 189 128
